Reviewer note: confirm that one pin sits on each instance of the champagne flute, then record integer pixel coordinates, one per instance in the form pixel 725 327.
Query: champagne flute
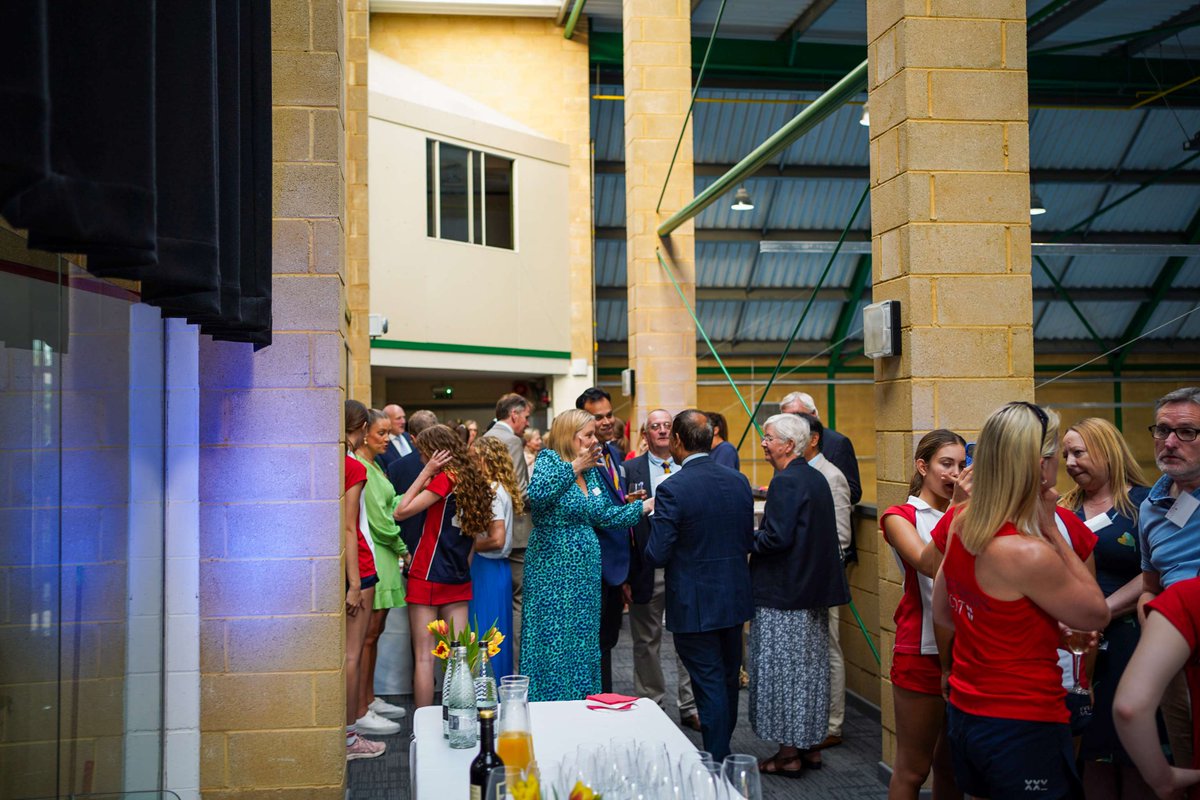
pixel 1077 643
pixel 742 780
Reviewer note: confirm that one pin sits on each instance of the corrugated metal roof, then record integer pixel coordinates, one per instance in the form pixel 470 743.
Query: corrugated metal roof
pixel 772 321
pixel 790 205
pixel 725 132
pixel 1078 138
pixel 747 19
pixel 719 317
pixel 1100 272
pixel 609 210
pixel 612 321
pixel 1160 144
pixel 1172 320
pixel 1189 275
pixel 1158 208
pixel 1112 18
pixel 724 264
pixel 1059 322
pixel 782 270
pixel 608 123
pixel 610 262
pixel 843 23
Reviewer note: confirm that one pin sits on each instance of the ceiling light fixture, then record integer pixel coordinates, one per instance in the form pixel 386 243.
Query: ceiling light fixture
pixel 1036 206
pixel 865 119
pixel 741 200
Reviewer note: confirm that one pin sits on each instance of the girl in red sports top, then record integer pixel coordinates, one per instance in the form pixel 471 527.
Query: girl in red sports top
pixel 1008 579
pixel 457 501
pixel 1170 642
pixel 916 673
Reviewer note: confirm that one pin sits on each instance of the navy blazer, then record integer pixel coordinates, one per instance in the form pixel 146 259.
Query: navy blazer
pixel 641 574
pixel 840 452
pixel 614 542
pixel 402 472
pixel 796 562
pixel 390 456
pixel 701 531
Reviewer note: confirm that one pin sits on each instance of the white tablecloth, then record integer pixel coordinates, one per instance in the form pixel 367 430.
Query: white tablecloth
pixel 558 729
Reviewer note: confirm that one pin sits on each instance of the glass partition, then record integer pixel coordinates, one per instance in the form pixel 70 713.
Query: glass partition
pixel 81 532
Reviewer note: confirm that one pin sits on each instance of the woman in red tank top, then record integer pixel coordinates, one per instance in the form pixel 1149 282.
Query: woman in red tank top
pixel 916 672
pixel 1007 581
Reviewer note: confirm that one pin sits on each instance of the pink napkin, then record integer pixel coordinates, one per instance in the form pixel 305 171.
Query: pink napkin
pixel 609 701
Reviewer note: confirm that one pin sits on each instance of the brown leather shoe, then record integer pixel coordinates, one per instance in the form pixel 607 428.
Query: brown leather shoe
pixel 830 741
pixel 690 721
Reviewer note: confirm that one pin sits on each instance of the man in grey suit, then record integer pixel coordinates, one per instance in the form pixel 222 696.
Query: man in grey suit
pixel 512 417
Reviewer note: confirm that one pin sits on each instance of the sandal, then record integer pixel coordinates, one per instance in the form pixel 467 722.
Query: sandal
pixel 811 759
pixel 774 766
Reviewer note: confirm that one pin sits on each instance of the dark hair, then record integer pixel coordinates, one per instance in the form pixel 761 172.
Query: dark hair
pixel 592 395
pixel 694 430
pixel 814 426
pixel 717 420
pixel 509 403
pixel 420 420
pixel 356 415
pixel 926 449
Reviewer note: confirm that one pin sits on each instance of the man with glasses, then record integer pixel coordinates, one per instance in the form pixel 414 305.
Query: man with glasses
pixel 647 595
pixel 1169 531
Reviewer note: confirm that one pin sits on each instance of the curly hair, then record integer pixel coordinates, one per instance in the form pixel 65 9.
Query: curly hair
pixel 498 466
pixel 472 491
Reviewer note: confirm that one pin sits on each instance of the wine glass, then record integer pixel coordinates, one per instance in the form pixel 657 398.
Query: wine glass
pixel 742 780
pixel 1077 643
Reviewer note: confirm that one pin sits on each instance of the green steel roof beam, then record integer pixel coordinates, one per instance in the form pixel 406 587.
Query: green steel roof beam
pixel 1159 34
pixel 1062 15
pixel 1120 37
pixel 573 20
pixel 858 287
pixel 802 123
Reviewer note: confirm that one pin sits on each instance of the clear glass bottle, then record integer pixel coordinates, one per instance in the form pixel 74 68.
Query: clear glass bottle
pixel 447 677
pixel 485 680
pixel 460 702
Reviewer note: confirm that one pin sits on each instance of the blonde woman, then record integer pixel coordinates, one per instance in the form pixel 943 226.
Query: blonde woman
pixel 560 626
pixel 1109 487
pixel 457 501
pixel 491 576
pixel 1007 581
pixel 533 446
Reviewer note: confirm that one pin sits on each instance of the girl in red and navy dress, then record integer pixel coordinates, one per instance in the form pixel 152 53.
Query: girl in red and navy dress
pixel 916 674
pixel 1007 581
pixel 457 501
pixel 1170 642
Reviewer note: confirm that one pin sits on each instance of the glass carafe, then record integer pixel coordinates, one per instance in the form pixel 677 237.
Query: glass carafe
pixel 514 743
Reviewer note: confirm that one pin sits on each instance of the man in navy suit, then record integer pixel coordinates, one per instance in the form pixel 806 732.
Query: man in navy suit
pixel 702 532
pixel 615 543
pixel 401 443
pixel 647 591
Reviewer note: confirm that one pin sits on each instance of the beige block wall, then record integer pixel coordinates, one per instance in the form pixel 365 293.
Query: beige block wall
pixel 525 69
pixel 657 80
pixel 357 200
pixel 272 628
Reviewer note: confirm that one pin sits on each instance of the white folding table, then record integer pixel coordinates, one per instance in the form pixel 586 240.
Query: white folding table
pixel 439 773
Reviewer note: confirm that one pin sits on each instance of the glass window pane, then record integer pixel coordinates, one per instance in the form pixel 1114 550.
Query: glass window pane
pixel 499 202
pixel 453 183
pixel 477 195
pixel 430 188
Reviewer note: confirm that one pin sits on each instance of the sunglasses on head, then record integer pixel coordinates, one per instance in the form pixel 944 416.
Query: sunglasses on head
pixel 1037 412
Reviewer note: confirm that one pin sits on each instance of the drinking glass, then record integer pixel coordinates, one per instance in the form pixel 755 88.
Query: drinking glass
pixel 742 780
pixel 497 784
pixel 702 781
pixel 1077 643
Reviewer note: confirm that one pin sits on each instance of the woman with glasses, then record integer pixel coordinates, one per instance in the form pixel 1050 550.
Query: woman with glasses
pixel 1008 580
pixel 1109 488
pixel 797 575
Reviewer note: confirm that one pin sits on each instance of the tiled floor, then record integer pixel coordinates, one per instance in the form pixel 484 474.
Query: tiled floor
pixel 850 771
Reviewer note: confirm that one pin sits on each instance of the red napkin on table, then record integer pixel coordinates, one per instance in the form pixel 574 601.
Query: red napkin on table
pixel 609 701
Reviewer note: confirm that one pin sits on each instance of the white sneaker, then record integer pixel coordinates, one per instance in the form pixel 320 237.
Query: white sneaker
pixel 364 748
pixel 373 723
pixel 386 709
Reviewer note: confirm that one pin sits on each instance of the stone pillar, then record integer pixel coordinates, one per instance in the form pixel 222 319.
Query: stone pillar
pixel 658 78
pixel 950 232
pixel 272 696
pixel 358 269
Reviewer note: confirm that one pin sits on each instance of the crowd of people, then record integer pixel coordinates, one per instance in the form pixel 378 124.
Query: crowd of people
pixel 1035 635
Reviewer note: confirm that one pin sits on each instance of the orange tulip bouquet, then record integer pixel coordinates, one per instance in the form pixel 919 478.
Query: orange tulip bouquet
pixel 446 637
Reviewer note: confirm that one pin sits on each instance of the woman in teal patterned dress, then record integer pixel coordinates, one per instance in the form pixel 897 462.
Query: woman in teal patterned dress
pixel 560 628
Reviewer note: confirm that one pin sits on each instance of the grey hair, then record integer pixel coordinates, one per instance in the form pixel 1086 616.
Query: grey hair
pixel 790 426
pixel 1188 394
pixel 803 398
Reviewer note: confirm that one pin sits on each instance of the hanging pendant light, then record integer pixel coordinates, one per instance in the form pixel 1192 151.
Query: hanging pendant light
pixel 1036 206
pixel 742 201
